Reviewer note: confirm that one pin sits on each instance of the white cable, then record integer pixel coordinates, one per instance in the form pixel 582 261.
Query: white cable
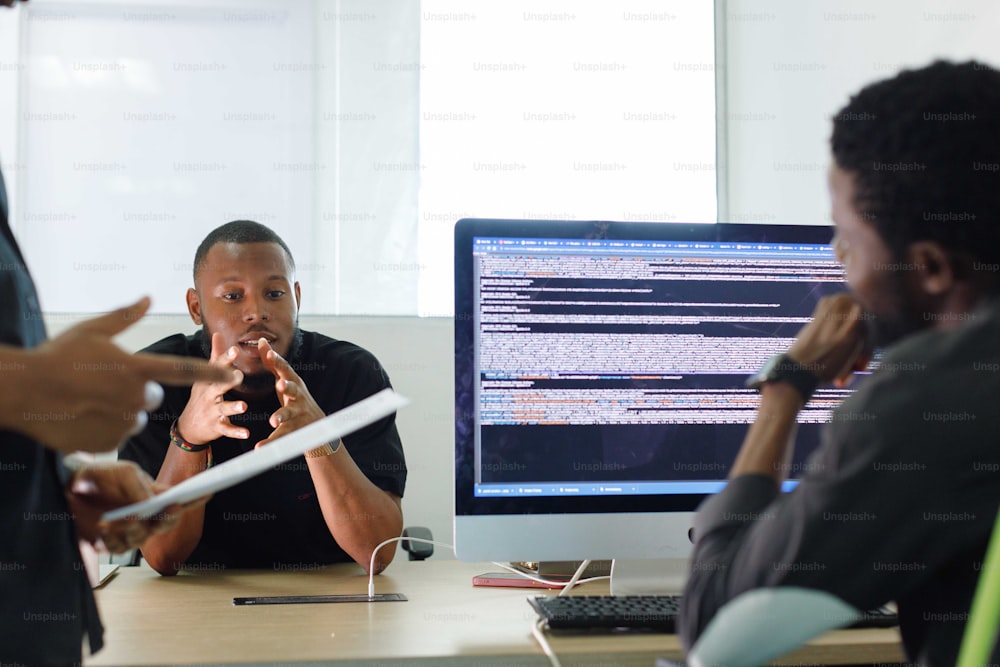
pixel 537 630
pixel 537 626
pixel 576 577
pixel 371 565
pixel 564 585
pixel 539 635
pixel 548 582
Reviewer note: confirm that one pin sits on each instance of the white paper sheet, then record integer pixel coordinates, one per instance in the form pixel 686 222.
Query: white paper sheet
pixel 329 429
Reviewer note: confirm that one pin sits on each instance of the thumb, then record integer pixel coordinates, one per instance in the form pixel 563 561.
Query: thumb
pixel 160 487
pixel 116 321
pixel 217 347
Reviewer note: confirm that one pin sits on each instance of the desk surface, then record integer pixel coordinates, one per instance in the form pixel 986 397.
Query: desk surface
pixel 190 619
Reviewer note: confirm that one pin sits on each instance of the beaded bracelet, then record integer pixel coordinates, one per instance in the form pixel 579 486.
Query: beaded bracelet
pixel 177 439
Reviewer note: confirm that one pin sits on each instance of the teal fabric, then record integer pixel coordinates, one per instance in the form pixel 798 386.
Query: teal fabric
pixel 765 623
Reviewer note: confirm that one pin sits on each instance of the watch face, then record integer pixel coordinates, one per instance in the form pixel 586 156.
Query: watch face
pixel 782 368
pixel 764 374
pixel 778 367
pixel 770 368
pixel 769 371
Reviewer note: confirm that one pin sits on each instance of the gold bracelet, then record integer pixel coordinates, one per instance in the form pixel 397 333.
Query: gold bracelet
pixel 324 450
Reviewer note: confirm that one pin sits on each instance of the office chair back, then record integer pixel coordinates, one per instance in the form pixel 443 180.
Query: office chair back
pixel 765 623
pixel 984 619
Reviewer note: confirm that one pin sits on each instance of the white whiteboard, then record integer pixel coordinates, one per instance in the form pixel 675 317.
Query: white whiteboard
pixel 145 126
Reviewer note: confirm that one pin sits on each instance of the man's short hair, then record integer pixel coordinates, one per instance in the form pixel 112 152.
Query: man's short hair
pixel 924 149
pixel 238 231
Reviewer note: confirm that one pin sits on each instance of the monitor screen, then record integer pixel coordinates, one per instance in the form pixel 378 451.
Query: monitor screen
pixel 599 375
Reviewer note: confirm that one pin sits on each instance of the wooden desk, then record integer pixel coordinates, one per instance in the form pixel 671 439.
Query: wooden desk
pixel 190 619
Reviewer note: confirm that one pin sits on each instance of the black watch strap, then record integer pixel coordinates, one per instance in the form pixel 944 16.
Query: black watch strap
pixel 782 368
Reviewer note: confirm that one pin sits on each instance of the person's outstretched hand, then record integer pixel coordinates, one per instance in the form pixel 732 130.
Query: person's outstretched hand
pixel 80 391
pixel 298 408
pixel 206 416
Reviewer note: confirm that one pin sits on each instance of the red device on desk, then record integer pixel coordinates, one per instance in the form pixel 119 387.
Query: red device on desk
pixel 510 580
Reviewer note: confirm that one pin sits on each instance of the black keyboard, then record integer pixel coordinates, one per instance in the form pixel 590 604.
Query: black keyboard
pixel 581 612
pixel 642 612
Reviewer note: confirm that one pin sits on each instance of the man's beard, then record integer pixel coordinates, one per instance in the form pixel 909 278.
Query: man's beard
pixel 900 318
pixel 257 383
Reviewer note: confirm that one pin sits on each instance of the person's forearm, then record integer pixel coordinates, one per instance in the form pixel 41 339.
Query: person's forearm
pixel 768 444
pixel 166 552
pixel 358 514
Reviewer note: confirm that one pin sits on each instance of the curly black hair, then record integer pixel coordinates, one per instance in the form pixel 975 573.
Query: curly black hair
pixel 238 231
pixel 924 149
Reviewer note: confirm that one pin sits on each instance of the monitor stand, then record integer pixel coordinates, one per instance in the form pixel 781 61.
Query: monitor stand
pixel 665 576
pixel 562 569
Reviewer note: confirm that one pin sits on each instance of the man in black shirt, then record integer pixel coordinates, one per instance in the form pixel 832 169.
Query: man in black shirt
pixel 899 501
pixel 335 504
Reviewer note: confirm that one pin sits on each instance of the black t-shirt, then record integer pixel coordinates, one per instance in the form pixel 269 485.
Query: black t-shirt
pixel 897 504
pixel 274 520
pixel 45 599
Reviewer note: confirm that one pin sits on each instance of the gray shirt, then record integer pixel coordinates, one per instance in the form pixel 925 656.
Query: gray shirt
pixel 898 503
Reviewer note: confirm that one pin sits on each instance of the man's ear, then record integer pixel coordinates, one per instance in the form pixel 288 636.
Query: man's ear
pixel 194 306
pixel 298 296
pixel 933 266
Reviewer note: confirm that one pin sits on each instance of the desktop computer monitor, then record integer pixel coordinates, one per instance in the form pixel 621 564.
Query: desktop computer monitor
pixel 599 376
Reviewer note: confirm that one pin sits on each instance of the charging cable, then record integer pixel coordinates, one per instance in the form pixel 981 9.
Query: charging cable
pixel 575 579
pixel 371 565
pixel 565 586
pixel 537 628
pixel 538 632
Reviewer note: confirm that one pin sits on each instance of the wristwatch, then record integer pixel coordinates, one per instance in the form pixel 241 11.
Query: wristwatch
pixel 782 368
pixel 324 450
